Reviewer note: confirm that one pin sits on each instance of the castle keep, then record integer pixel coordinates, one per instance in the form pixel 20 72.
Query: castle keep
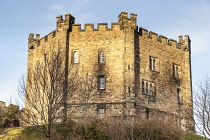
pixel 137 71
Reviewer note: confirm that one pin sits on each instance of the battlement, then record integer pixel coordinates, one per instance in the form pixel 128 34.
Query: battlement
pixel 64 23
pixel 35 41
pixel 124 19
pixel 100 27
pixel 182 44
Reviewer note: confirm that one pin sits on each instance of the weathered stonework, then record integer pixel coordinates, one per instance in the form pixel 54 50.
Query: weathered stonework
pixel 129 54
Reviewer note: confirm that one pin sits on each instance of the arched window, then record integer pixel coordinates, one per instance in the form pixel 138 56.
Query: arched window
pixel 75 57
pixel 142 87
pixel 101 57
pixel 146 88
pixel 151 89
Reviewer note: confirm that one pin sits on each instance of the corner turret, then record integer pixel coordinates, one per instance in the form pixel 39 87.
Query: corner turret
pixel 64 23
pixel 125 21
pixel 186 42
pixel 31 40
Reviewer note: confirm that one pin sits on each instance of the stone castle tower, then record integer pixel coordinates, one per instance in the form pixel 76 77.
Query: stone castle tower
pixel 138 71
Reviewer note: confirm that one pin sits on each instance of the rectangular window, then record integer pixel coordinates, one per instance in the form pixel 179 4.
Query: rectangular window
pixel 153 63
pixel 101 110
pixel 178 96
pixel 101 82
pixel 101 113
pixel 148 88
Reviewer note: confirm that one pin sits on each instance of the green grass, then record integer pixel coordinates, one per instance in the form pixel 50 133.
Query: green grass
pixel 20 133
pixel 10 133
pixel 192 136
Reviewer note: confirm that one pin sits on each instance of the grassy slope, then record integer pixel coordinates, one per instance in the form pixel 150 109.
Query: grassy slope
pixel 10 133
pixel 192 136
pixel 20 133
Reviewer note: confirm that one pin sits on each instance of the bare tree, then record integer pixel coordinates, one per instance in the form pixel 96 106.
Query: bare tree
pixel 87 92
pixel 202 107
pixel 47 90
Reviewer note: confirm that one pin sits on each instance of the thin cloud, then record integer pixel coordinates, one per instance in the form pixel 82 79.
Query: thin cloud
pixel 77 9
pixel 56 7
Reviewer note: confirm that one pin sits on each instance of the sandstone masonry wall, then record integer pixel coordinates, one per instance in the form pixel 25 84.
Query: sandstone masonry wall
pixel 131 55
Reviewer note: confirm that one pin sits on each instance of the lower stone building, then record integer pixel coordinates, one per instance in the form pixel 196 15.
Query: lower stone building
pixel 2 110
pixel 133 71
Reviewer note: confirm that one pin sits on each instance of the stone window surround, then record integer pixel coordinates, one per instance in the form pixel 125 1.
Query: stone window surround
pixel 148 88
pixel 101 109
pixel 153 63
pixel 101 82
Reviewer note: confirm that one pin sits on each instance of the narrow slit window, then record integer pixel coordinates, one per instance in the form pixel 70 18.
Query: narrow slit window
pixel 178 96
pixel 129 89
pixel 177 71
pixel 151 90
pixel 173 70
pixel 150 63
pixel 142 87
pixel 154 64
pixel 146 88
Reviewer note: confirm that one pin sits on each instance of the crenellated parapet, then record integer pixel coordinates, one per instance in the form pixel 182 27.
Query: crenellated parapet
pixel 33 42
pixel 125 21
pixel 64 23
pixel 181 44
pixel 100 27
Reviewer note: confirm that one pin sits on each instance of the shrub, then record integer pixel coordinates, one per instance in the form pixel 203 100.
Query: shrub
pixel 10 117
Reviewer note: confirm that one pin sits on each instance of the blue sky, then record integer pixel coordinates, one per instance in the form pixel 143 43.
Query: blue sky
pixel 170 18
